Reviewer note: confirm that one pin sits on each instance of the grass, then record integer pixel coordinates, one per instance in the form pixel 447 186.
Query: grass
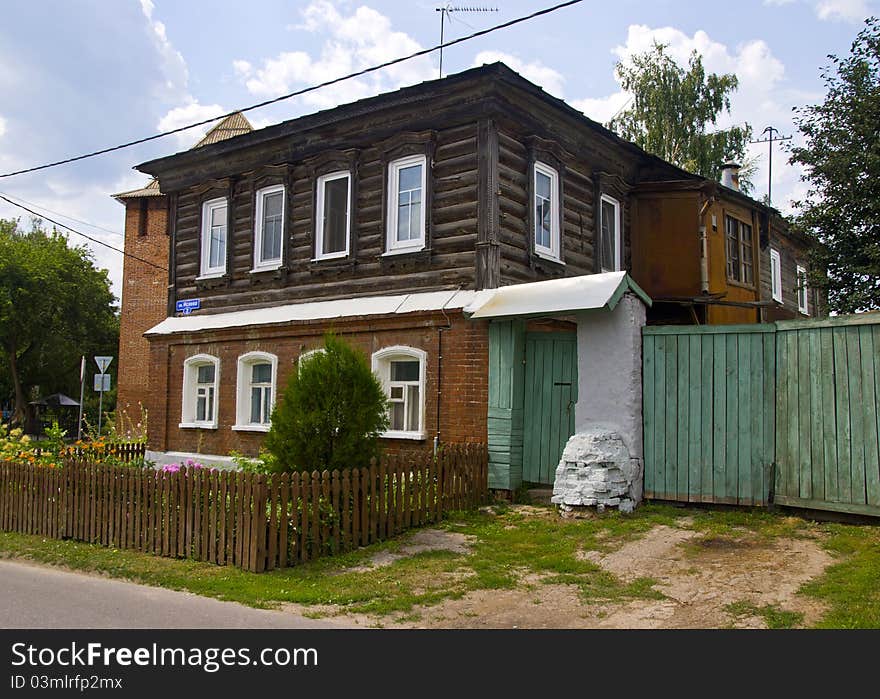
pixel 512 548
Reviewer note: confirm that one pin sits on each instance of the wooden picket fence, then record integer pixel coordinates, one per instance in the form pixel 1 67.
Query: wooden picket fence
pixel 123 451
pixel 253 521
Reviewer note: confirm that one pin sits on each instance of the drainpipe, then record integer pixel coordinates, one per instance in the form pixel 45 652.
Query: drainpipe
pixel 440 331
pixel 704 248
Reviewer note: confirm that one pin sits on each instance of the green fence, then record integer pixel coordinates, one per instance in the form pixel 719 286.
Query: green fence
pixel 753 414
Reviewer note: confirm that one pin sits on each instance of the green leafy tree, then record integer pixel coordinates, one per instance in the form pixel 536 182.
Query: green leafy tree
pixel 55 306
pixel 672 110
pixel 841 157
pixel 331 413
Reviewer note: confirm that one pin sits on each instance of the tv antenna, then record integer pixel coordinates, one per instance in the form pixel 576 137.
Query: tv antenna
pixel 770 130
pixel 447 11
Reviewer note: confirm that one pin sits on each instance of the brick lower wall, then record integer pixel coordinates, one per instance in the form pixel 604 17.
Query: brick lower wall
pixel 144 298
pixel 464 375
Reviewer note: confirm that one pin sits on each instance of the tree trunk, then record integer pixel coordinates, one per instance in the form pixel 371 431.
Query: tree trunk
pixel 19 414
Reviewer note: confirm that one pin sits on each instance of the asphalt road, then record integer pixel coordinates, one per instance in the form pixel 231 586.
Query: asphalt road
pixel 36 597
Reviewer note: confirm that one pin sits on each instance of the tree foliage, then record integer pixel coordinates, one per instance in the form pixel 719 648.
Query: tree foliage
pixel 841 156
pixel 55 306
pixel 331 413
pixel 672 110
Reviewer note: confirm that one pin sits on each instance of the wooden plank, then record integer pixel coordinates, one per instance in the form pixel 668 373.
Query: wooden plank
pixel 731 456
pixel 214 514
pixel 869 414
pixel 231 520
pixel 695 418
pixel 648 417
pixel 849 507
pixel 875 337
pixel 804 410
pixel 817 410
pixel 376 503
pixel 841 397
pixel 335 512
pixel 204 476
pixel 356 501
pixel 317 531
pixel 345 504
pixel 195 475
pixel 274 499
pixel 288 522
pixel 682 463
pixel 828 413
pixel 326 503
pixel 794 409
pixel 259 525
pixel 664 330
pixel 757 457
pixel 719 417
pixel 305 526
pixel 660 420
pixel 222 516
pixel 383 489
pixel 744 420
pixel 857 428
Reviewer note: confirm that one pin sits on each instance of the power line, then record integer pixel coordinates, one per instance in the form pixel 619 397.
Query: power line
pixel 63 215
pixel 297 93
pixel 84 235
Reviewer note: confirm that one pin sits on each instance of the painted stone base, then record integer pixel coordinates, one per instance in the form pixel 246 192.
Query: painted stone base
pixel 596 470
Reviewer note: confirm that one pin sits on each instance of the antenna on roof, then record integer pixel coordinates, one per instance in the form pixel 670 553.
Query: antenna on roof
pixel 770 139
pixel 447 12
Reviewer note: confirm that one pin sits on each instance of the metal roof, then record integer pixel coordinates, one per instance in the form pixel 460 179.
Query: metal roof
pixel 151 190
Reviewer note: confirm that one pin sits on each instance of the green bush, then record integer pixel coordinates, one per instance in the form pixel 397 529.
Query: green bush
pixel 331 413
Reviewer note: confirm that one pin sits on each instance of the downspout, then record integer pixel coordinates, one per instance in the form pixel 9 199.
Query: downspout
pixel 704 247
pixel 440 331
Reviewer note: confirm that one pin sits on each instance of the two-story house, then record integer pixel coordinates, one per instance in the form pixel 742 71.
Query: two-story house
pixel 389 221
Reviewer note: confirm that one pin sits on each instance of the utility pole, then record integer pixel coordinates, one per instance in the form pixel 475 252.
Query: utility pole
pixel 772 135
pixel 447 12
pixel 82 388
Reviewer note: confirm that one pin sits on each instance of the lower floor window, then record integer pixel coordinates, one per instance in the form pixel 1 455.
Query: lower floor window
pixel 205 394
pixel 200 377
pixel 402 373
pixel 255 397
pixel 261 393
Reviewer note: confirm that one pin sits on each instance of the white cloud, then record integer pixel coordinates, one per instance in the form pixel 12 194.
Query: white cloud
pixel 189 113
pixel 2 126
pixel 352 42
pixel 603 109
pixel 845 10
pixel 171 60
pixel 551 80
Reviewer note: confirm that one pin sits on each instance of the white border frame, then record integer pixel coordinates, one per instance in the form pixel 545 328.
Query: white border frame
pixel 188 402
pixel 381 363
pixel 775 275
pixel 205 271
pixel 392 245
pixel 242 392
pixel 319 216
pixel 802 271
pixel 274 263
pixel 618 232
pixel 551 253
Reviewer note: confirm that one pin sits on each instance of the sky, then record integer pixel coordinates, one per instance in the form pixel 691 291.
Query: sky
pixel 80 75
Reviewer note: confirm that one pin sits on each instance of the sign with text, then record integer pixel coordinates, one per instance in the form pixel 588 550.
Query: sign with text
pixel 102 383
pixel 188 305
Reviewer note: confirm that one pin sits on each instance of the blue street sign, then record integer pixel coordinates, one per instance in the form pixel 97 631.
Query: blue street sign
pixel 188 305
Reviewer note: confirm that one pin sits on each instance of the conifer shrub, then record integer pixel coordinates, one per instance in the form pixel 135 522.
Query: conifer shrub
pixel 330 414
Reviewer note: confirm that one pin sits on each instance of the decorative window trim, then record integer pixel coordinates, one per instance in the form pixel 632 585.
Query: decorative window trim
pixel 553 252
pixel 243 394
pixel 381 363
pixel 392 245
pixel 803 298
pixel 319 216
pixel 775 275
pixel 260 194
pixel 308 354
pixel 205 270
pixel 189 397
pixel 618 232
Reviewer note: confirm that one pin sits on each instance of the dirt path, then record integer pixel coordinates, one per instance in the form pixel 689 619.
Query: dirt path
pixel 698 576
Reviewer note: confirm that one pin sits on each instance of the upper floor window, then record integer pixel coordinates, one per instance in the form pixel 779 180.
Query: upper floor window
pixel 402 373
pixel 213 238
pixel 269 228
pixel 803 305
pixel 609 243
pixel 740 255
pixel 406 204
pixel 546 185
pixel 255 391
pixel 332 219
pixel 201 375
pixel 776 275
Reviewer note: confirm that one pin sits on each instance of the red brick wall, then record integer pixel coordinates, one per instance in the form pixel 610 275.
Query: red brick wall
pixel 144 298
pixel 465 375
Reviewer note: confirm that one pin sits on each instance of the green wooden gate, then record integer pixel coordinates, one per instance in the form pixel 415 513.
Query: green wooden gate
pixel 549 398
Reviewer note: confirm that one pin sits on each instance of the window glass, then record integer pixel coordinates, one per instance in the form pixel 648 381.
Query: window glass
pixel 608 251
pixel 217 237
pixel 206 373
pixel 409 203
pixel 273 205
pixel 405 371
pixel 746 246
pixel 543 210
pixel 335 215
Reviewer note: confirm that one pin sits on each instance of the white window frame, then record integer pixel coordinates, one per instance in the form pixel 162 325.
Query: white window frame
pixel 275 262
pixel 802 289
pixel 394 246
pixel 618 226
pixel 775 275
pixel 551 253
pixel 308 354
pixel 205 270
pixel 190 386
pixel 243 390
pixel 319 216
pixel 381 362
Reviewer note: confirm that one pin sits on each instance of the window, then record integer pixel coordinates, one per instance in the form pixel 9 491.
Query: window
pixel 269 227
pixel 332 220
pixel 255 393
pixel 402 373
pixel 307 355
pixel 776 275
pixel 609 245
pixel 406 204
pixel 803 306
pixel 740 255
pixel 201 375
pixel 546 210
pixel 213 238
